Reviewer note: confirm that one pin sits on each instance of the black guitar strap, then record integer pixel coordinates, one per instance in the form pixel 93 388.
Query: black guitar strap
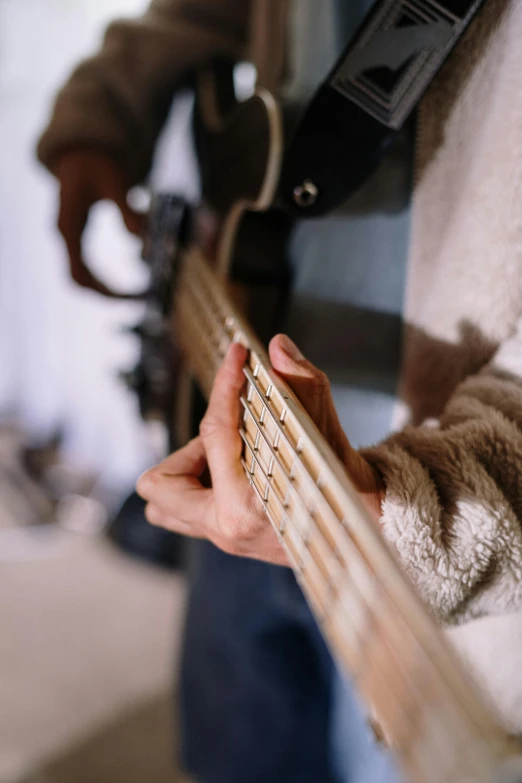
pixel 363 103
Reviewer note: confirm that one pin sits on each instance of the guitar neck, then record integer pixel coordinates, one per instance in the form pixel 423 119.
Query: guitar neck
pixel 416 689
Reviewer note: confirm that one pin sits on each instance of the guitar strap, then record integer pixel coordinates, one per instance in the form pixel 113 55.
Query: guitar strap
pixel 361 106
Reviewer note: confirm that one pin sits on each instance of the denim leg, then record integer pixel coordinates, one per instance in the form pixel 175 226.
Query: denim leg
pixel 255 688
pixel 356 755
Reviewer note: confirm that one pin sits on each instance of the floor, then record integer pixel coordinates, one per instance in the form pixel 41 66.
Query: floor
pixel 89 640
pixel 88 652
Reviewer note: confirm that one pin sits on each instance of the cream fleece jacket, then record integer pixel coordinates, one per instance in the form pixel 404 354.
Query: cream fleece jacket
pixel 453 507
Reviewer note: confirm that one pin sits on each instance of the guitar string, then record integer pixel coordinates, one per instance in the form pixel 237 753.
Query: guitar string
pixel 211 350
pixel 403 746
pixel 304 574
pixel 211 355
pixel 405 725
pixel 214 318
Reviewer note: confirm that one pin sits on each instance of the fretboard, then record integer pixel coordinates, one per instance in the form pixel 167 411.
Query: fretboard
pixel 415 688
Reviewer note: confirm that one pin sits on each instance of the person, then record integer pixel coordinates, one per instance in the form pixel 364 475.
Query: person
pixel 256 675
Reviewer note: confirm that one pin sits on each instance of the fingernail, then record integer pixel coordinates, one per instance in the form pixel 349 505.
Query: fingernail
pixel 290 348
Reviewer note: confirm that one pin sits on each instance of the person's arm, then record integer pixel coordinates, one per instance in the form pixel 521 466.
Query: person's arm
pixel 448 495
pixel 116 102
pixel 452 508
pixel 106 119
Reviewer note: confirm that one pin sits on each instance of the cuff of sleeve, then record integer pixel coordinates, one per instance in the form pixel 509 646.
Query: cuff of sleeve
pixel 410 522
pixel 83 118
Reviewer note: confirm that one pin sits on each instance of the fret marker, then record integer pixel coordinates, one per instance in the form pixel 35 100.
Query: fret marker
pixel 277 437
pixel 266 492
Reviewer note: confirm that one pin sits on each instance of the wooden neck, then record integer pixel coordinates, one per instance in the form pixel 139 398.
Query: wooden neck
pixel 374 623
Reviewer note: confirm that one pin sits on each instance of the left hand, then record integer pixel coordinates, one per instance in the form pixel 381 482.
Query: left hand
pixel 229 513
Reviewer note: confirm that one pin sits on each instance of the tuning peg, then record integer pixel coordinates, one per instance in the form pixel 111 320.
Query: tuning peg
pixel 152 327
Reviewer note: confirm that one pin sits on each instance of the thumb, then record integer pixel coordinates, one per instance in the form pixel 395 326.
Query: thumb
pixel 312 387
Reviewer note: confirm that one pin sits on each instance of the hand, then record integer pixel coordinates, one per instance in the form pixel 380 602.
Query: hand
pixel 229 513
pixel 85 178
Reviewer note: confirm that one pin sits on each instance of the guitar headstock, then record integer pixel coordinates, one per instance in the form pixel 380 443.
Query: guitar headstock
pixel 153 377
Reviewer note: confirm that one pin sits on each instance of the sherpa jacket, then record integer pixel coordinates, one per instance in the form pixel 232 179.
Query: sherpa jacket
pixel 452 470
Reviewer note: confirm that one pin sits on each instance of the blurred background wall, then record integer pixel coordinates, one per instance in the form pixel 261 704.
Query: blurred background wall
pixel 60 347
pixel 88 636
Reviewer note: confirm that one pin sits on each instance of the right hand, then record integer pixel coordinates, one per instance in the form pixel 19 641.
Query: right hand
pixel 86 177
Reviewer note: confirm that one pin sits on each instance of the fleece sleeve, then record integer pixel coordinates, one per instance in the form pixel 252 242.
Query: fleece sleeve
pixel 453 503
pixel 117 100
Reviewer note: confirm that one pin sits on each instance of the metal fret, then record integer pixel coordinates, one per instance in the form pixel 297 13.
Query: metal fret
pixel 304 566
pixel 267 493
pixel 364 636
pixel 405 729
pixel 366 608
pixel 333 523
pixel 276 462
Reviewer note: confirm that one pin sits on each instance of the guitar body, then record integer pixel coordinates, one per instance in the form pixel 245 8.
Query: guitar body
pixel 240 148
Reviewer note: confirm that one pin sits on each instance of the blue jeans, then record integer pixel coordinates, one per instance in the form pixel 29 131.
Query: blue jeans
pixel 261 699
